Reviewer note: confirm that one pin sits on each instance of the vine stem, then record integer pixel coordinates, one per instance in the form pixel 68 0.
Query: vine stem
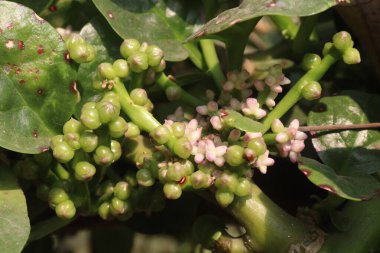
pixel 338 127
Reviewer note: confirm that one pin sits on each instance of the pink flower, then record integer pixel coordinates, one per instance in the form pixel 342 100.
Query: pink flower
pixel 263 162
pixel 252 107
pixel 215 154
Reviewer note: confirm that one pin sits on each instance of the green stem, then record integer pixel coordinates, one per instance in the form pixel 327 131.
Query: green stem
pixel 164 82
pixel 287 26
pixel 302 40
pixel 295 93
pixel 269 228
pixel 270 139
pixel 195 55
pixel 212 62
pixel 137 80
pixel 263 95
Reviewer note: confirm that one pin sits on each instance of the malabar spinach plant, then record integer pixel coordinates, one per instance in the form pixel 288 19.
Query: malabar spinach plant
pixel 231 126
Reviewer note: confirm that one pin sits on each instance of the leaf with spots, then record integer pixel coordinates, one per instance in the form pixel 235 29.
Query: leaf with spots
pixel 348 151
pixel 36 82
pixel 356 187
pixel 236 120
pixel 14 221
pixel 251 9
pixel 164 23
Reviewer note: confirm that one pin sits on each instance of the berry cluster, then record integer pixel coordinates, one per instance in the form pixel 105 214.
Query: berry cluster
pixel 79 50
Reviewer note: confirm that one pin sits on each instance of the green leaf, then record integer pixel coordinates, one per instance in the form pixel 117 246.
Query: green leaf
pixel 37 92
pixel 348 151
pixel 14 221
pixel 107 43
pixel 356 187
pixel 46 227
pixel 250 9
pixel 164 23
pixel 238 121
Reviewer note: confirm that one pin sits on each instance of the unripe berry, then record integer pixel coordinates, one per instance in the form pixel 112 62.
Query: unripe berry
pixel 105 191
pixel 200 180
pixel 128 47
pixel 118 127
pixel 116 150
pixel 56 140
pixel 84 171
pixel 139 96
pixel 155 55
pixel 172 190
pixel 327 47
pixel 106 71
pixel 160 67
pixel 224 197
pixel 342 41
pixel 90 118
pixel 234 155
pixel 351 56
pixel 88 141
pixel 122 190
pixel 118 206
pixel 243 188
pixel 57 196
pixel 182 148
pixel 65 210
pixel 175 172
pixel 311 61
pixel 161 134
pixel 188 167
pixel 227 181
pixel 89 105
pixel 173 93
pixel 103 155
pixel 144 177
pixel 80 53
pixel 63 152
pixel 104 211
pixel 143 47
pixel 74 39
pixel 121 68
pixel 138 62
pixel 312 90
pixel 178 129
pixel 257 145
pixel 72 139
pixel 107 111
pixel 133 131
pixel 72 126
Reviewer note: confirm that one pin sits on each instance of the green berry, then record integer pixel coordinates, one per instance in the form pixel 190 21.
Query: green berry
pixel 65 210
pixel 227 181
pixel 56 140
pixel 173 93
pixel 160 67
pixel 172 190
pixel 104 211
pixel 311 61
pixel 139 96
pixel 118 206
pixel 155 55
pixel 312 90
pixel 108 111
pixel 143 47
pixel 56 196
pixel 327 47
pixel 118 127
pixel 106 71
pixel 84 171
pixel 178 129
pixel 182 148
pixel 72 139
pixel 88 141
pixel 188 167
pixel 342 41
pixel 90 118
pixel 133 131
pixel 234 155
pixel 80 53
pixel 105 190
pixel 122 190
pixel 258 146
pixel 74 39
pixel 121 68
pixel 161 134
pixel 42 192
pixel 63 152
pixel 89 105
pixel 200 180
pixel 175 172
pixel 128 47
pixel 243 188
pixel 72 126
pixel 103 156
pixel 224 197
pixel 162 175
pixel 144 177
pixel 116 150
pixel 351 56
pixel 112 97
pixel 138 62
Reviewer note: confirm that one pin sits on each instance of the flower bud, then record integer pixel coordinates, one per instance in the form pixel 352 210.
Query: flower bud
pixel 311 61
pixel 160 67
pixel 57 196
pixel 200 180
pixel 178 129
pixel 161 134
pixel 65 210
pixel 88 141
pixel 243 188
pixel 175 172
pixel 327 47
pixel 227 181
pixel 118 206
pixel 90 118
pixel 351 56
pixel 144 177
pixel 342 41
pixel 182 148
pixel 257 145
pixel 63 152
pixel 172 190
pixel 72 126
pixel 138 62
pixel 84 171
pixel 312 90
pixel 224 197
pixel 116 150
pixel 74 39
pixel 155 55
pixel 108 111
pixel 72 139
pixel 104 211
pixel 128 47
pixel 173 93
pixel 122 190
pixel 139 96
pixel 118 127
pixel 103 156
pixel 121 68
pixel 234 155
pixel 132 131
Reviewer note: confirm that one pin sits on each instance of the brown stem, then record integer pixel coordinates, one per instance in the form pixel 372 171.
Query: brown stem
pixel 338 127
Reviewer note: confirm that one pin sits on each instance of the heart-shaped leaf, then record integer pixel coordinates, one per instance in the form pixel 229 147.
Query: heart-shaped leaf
pixel 348 151
pixel 14 221
pixel 250 9
pixel 164 23
pixel 37 85
pixel 238 121
pixel 356 187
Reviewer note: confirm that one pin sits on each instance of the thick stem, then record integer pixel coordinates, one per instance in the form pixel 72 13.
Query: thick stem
pixel 269 228
pixel 212 62
pixel 287 26
pixel 137 80
pixel 195 55
pixel 295 93
pixel 302 40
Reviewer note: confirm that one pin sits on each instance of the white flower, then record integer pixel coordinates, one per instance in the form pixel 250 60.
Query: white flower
pixel 263 162
pixel 215 154
pixel 252 107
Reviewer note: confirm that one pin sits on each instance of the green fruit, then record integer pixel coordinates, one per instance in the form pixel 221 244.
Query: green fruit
pixel 178 129
pixel 106 71
pixel 118 206
pixel 105 191
pixel 104 211
pixel 144 177
pixel 311 61
pixel 138 62
pixel 84 171
pixel 56 140
pixel 143 47
pixel 155 55
pixel 118 127
pixel 234 155
pixel 108 111
pixel 90 118
pixel 128 47
pixel 80 53
pixel 160 67
pixel 342 41
pixel 121 68
pixel 173 93
pixel 139 96
pixel 188 167
pixel 351 56
pixel 172 190
pixel 258 146
pixel 312 91
pixel 243 188
pixel 161 134
pixel 88 141
pixel 63 152
pixel 72 139
pixel 224 197
pixel 103 156
pixel 133 131
pixel 72 126
pixel 56 196
pixel 175 172
pixel 182 148
pixel 122 190
pixel 65 210
pixel 116 150
pixel 227 181
pixel 74 39
pixel 200 180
